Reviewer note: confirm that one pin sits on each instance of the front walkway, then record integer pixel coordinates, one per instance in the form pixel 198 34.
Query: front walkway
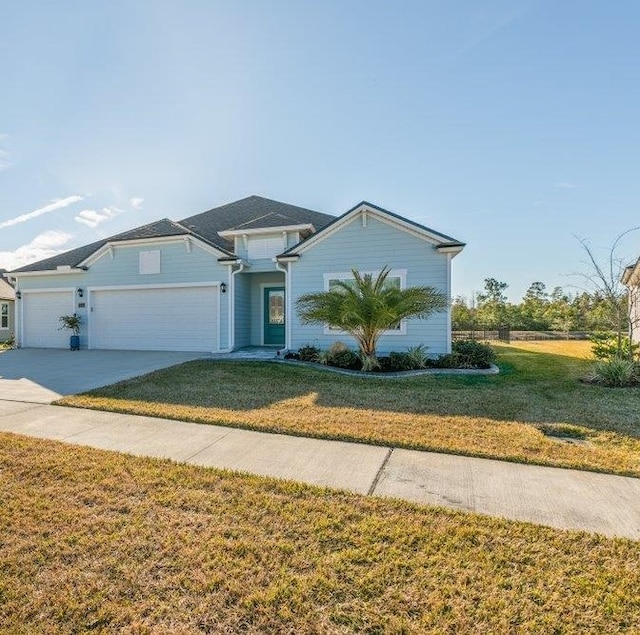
pixel 560 498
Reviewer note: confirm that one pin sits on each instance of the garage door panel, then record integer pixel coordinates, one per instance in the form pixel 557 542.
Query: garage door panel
pixel 41 318
pixel 177 319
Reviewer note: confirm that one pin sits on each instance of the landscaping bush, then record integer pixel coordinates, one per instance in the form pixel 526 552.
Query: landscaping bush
pixel 395 362
pixel 308 353
pixel 467 354
pixel 347 359
pixel 341 356
pixel 616 372
pixel 418 356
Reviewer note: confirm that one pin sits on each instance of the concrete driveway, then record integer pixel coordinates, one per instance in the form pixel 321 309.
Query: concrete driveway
pixel 39 375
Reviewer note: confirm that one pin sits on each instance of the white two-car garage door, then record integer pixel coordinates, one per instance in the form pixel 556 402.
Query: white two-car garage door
pixel 155 319
pixel 41 313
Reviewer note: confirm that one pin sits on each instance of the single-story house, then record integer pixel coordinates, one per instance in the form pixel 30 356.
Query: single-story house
pixel 631 279
pixel 229 278
pixel 7 308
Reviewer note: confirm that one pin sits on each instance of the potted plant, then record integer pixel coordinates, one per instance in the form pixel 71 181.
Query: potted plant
pixel 72 322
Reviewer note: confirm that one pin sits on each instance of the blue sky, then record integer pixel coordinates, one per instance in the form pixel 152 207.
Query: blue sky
pixel 511 125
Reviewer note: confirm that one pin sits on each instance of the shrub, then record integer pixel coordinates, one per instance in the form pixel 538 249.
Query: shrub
pixel 418 356
pixel 605 346
pixel 347 359
pixel 446 361
pixel 341 356
pixel 472 354
pixel 308 353
pixel 398 362
pixel 616 372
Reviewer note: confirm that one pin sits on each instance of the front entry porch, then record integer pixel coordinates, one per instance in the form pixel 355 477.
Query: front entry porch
pixel 259 316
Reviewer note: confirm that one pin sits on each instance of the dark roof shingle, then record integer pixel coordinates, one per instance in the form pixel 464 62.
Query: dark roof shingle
pixel 72 258
pixel 251 212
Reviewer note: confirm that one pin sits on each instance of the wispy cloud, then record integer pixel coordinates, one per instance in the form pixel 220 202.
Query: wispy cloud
pixel 92 218
pixel 136 202
pixel 4 154
pixel 42 246
pixel 51 207
pixel 566 185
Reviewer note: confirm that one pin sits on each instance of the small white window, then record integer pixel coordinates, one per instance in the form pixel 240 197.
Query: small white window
pixel 265 247
pixel 396 278
pixel 149 262
pixel 4 315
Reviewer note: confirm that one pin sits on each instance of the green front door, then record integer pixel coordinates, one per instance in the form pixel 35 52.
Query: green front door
pixel 274 316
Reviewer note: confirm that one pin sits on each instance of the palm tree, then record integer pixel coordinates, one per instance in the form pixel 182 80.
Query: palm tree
pixel 366 307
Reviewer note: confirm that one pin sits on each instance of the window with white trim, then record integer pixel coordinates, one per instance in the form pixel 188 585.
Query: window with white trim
pixel 4 316
pixel 396 278
pixel 149 262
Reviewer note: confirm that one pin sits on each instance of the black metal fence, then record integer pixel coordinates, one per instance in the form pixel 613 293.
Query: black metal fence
pixel 505 334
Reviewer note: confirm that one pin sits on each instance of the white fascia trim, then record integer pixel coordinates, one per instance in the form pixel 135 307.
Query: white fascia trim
pixel 49 290
pixel 46 272
pixel 411 229
pixel 96 255
pixel 370 212
pixel 453 250
pixel 166 285
pixel 232 233
pixel 286 269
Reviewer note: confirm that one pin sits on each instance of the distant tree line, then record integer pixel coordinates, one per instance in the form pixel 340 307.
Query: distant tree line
pixel 540 310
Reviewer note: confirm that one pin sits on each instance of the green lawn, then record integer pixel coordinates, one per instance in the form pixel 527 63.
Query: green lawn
pixel 509 416
pixel 93 541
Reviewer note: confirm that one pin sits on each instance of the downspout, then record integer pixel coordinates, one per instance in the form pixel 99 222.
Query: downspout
pixel 232 304
pixel 449 258
pixel 17 310
pixel 287 295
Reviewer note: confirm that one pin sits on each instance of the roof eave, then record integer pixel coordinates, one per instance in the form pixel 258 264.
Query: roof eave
pixel 232 233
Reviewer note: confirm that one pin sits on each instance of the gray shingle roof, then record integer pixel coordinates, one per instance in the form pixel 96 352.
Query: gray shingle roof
pixel 160 228
pixel 250 212
pixel 6 289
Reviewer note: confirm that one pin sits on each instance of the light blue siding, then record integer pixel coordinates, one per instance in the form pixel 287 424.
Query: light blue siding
pixel 177 265
pixel 242 310
pixel 370 248
pixel 266 264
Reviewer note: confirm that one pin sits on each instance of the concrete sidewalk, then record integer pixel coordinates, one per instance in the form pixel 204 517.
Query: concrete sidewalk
pixel 561 498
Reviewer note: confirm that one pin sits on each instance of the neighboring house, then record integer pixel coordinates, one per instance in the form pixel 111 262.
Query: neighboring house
pixel 229 278
pixel 7 308
pixel 631 279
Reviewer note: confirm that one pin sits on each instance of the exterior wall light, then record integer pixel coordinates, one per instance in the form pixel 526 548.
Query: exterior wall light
pixel 80 292
pixel 223 287
pixel 18 295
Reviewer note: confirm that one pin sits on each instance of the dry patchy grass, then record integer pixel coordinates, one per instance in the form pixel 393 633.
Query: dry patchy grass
pixel 508 416
pixel 97 541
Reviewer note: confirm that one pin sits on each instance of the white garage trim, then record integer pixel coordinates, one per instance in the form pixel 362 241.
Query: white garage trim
pixel 147 287
pixel 25 293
